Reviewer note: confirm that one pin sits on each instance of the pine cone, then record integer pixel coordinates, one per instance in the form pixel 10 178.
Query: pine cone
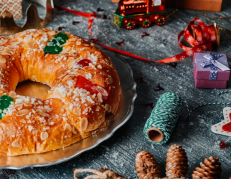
pixel 177 162
pixel 146 166
pixel 111 174
pixel 211 169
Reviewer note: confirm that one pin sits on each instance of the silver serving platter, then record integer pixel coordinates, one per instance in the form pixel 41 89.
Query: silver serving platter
pixel 123 114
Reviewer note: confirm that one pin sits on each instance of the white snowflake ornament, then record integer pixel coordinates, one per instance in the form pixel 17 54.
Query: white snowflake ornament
pixel 224 127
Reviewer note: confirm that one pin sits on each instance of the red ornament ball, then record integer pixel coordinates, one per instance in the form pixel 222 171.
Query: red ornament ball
pixel 223 145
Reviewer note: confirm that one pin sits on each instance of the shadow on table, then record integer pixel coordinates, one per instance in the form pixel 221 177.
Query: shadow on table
pixel 226 5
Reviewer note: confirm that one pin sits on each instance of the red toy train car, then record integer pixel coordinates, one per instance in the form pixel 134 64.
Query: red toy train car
pixel 143 12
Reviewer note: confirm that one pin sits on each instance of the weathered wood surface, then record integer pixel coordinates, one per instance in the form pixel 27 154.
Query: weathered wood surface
pixel 118 153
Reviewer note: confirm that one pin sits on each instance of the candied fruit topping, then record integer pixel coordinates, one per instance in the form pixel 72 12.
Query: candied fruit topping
pixel 5 102
pixel 92 87
pixel 84 63
pixel 55 44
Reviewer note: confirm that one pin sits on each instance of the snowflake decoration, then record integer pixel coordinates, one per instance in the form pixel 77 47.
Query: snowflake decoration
pixel 173 58
pixel 204 47
pixel 182 57
pixel 183 48
pixel 205 35
pixel 198 50
pixel 186 31
pixel 196 30
pixel 190 52
pixel 213 38
pixel 196 43
pixel 203 27
pixel 199 38
pixel 209 30
pixel 190 39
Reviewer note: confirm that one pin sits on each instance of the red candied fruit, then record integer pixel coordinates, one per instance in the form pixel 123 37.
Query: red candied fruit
pixel 92 87
pixel 222 145
pixel 84 63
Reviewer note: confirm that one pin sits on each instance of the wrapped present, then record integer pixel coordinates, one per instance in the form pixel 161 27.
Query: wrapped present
pixel 13 6
pixel 210 70
pixel 208 5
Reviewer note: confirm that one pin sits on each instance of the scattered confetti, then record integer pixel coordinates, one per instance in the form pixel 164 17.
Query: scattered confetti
pixel 99 9
pixel 159 88
pixel 93 40
pixel 151 105
pixel 140 79
pixel 103 16
pixel 75 22
pixel 145 34
pixel 120 43
pixel 106 17
pixel 174 64
pixel 60 28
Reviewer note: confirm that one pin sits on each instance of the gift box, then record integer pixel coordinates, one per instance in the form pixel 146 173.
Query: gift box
pixel 208 5
pixel 210 70
pixel 13 6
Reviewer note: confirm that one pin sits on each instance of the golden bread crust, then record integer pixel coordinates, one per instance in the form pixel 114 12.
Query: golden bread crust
pixel 67 114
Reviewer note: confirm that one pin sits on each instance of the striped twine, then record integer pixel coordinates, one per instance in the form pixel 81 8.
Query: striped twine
pixel 225 91
pixel 165 115
pixel 205 104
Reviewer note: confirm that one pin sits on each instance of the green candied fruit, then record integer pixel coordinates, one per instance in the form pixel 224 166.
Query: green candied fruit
pixel 54 46
pixel 61 38
pixel 5 102
pixel 53 50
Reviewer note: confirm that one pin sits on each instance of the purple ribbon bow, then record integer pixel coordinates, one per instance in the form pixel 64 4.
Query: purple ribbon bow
pixel 212 61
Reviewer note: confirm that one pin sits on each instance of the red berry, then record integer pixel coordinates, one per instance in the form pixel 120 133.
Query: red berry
pixel 223 145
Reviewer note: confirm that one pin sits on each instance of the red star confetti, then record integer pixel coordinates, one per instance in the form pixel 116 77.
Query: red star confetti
pixel 159 88
pixel 75 22
pixel 120 43
pixel 145 34
pixel 140 79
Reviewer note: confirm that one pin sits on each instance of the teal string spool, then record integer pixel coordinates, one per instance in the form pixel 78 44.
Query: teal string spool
pixel 163 119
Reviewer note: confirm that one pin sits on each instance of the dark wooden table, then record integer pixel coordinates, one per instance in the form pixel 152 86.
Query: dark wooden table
pixel 194 134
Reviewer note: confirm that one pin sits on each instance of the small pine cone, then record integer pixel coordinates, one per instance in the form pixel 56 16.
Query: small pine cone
pixel 211 169
pixel 177 162
pixel 146 166
pixel 111 174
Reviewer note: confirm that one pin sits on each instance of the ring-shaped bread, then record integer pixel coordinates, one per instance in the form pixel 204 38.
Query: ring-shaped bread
pixel 85 89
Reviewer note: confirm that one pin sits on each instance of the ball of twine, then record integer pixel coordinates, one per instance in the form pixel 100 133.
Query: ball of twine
pixel 163 119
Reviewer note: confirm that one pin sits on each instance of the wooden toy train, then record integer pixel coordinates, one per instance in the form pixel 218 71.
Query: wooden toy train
pixel 143 12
